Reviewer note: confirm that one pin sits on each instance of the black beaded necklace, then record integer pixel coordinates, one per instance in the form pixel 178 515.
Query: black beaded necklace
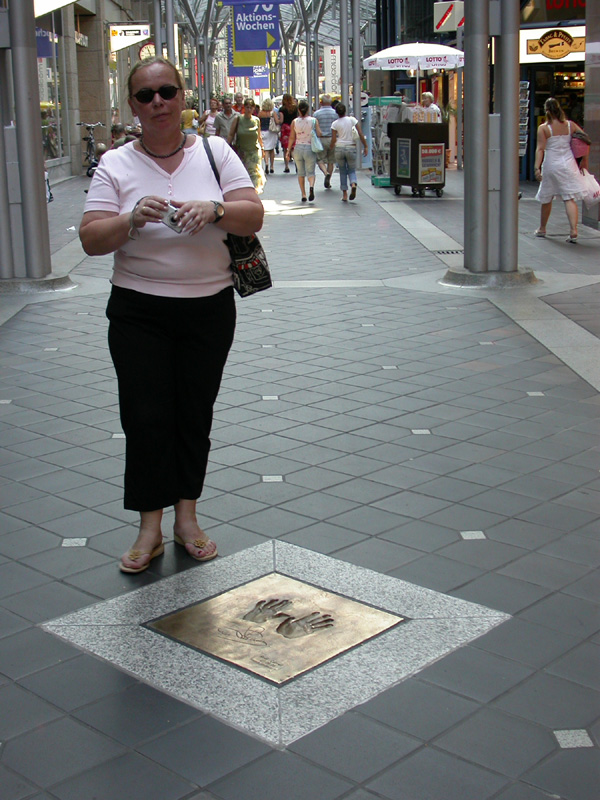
pixel 155 155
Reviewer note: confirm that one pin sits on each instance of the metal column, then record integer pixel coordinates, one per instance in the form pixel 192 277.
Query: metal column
pixel 158 42
pixel 356 59
pixel 509 136
pixel 344 51
pixel 169 30
pixel 476 135
pixel 29 147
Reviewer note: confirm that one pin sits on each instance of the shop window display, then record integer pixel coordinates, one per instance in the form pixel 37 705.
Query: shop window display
pixel 49 81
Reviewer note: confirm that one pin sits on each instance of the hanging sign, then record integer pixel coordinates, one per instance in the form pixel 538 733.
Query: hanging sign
pixel 448 16
pixel 331 69
pixel 233 70
pixel 256 27
pixel 244 2
pixel 122 36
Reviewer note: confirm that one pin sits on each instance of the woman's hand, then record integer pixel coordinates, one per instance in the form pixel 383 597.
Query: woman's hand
pixel 538 173
pixel 193 215
pixel 149 209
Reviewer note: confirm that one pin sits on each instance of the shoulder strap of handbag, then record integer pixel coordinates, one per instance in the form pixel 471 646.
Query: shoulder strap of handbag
pixel 211 159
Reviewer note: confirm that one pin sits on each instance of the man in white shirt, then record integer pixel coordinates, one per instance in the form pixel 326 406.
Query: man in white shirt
pixel 325 116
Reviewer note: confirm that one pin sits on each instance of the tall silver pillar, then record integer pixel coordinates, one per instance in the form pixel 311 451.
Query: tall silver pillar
pixel 509 137
pixel 356 58
pixel 29 141
pixel 158 42
pixel 170 30
pixel 344 51
pixel 476 78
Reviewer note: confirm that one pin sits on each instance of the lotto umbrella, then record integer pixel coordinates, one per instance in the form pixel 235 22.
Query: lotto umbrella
pixel 417 55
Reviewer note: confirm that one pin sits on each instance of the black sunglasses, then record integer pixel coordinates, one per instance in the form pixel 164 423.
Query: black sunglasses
pixel 147 95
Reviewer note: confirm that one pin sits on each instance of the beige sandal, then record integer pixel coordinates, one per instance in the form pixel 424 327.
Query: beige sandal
pixel 135 555
pixel 207 549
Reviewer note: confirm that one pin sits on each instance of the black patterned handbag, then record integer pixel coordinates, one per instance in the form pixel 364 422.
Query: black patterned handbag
pixel 248 265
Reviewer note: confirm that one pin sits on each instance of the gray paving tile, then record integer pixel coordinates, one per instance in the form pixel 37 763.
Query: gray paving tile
pixel 373 746
pixel 15 787
pixel 414 708
pixel 108 581
pixel 223 750
pixel 499 742
pixel 24 543
pixel 21 711
pixel 136 714
pixel 476 674
pixel 435 572
pixel 421 535
pixel 523 534
pixel 575 548
pixel 322 537
pixel 264 779
pixel 61 562
pixel 77 682
pixel 557 516
pixel 130 777
pixel 378 555
pixel 17 578
pixel 588 588
pixel 521 791
pixel 81 523
pixel 522 641
pixel 570 773
pixel 536 568
pixel 433 775
pixel 369 520
pixel 580 666
pixel 57 751
pixel 554 702
pixel 43 510
pixel 482 553
pixel 47 601
pixel 500 592
pixel 570 615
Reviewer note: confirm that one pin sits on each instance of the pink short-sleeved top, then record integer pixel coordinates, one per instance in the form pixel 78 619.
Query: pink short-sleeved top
pixel 160 261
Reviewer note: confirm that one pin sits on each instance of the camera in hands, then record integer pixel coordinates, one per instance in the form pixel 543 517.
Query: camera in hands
pixel 169 221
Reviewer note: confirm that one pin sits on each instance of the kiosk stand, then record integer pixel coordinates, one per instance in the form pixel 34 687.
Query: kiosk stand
pixel 418 156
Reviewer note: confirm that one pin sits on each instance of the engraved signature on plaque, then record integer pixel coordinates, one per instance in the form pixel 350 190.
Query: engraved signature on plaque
pixel 276 626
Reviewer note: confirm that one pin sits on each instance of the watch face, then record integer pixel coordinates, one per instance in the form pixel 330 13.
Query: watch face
pixel 219 211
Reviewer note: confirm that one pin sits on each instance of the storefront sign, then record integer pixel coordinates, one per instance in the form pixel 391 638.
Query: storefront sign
pixel 331 69
pixel 122 36
pixel 256 27
pixel 44 41
pixel 431 163
pixel 81 39
pixel 543 44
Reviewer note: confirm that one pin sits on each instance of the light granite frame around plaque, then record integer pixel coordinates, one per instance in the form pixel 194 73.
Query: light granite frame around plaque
pixel 435 625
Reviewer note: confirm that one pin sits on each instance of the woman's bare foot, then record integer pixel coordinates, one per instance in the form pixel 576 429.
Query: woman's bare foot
pixel 147 546
pixel 198 545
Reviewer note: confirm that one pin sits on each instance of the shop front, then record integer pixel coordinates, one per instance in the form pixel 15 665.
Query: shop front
pixel 552 65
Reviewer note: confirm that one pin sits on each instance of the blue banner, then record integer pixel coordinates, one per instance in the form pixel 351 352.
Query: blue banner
pixel 44 43
pixel 235 72
pixel 259 83
pixel 256 27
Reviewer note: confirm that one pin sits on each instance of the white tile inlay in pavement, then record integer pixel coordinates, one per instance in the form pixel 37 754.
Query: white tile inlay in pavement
pixel 573 738
pixel 435 626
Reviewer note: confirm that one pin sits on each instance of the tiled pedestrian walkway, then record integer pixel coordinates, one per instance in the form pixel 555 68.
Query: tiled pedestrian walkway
pixel 428 451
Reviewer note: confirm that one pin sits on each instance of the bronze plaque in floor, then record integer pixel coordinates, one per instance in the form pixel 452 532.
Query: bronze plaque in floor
pixel 275 626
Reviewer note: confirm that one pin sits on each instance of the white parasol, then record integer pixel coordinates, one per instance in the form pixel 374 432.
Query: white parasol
pixel 417 55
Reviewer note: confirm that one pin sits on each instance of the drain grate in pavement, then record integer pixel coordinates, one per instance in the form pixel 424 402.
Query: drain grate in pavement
pixel 448 252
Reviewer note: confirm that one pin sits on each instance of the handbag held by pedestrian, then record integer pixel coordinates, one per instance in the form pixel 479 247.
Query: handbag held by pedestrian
pixel 248 266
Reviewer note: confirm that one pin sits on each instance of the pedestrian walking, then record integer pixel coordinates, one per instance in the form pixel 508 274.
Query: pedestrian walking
pixel 325 116
pixel 556 168
pixel 224 119
pixel 287 113
pixel 171 310
pixel 342 140
pixel 270 137
pixel 300 143
pixel 246 132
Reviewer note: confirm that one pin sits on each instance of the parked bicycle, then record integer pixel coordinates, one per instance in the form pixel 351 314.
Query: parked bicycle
pixel 91 156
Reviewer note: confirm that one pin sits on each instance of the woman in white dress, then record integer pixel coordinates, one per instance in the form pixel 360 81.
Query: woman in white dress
pixel 560 175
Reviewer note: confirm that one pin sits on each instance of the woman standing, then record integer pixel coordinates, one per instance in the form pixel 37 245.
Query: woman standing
pixel 269 137
pixel 171 308
pixel 345 149
pixel 208 118
pixel 557 169
pixel 189 115
pixel 300 143
pixel 288 111
pixel 245 129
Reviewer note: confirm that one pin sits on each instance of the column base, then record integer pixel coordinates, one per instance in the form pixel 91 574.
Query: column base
pixel 463 279
pixel 21 286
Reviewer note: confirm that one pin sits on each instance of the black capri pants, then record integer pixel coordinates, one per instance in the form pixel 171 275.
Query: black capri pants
pixel 169 354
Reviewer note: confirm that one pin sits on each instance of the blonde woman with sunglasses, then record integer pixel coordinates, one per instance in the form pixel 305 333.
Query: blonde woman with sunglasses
pixel 171 311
